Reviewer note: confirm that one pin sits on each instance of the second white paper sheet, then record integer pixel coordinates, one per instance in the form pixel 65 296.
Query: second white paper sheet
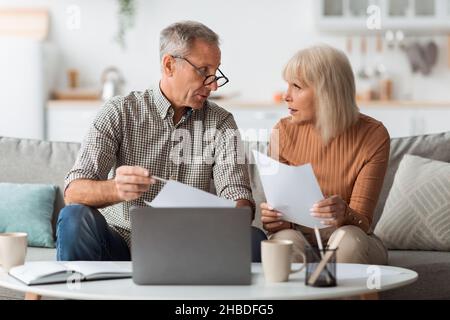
pixel 175 194
pixel 291 190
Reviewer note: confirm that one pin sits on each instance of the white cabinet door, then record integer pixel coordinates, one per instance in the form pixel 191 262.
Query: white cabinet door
pixel 398 122
pixel 22 93
pixel 69 124
pixel 433 120
pixel 403 122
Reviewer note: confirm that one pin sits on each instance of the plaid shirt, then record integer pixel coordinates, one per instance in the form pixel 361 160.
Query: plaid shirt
pixel 138 130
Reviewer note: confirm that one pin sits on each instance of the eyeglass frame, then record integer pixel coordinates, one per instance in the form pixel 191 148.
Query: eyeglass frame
pixel 203 74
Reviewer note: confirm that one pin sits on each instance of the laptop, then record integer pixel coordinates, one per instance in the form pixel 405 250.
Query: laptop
pixel 191 246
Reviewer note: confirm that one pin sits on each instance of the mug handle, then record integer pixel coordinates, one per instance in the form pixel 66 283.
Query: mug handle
pixel 303 266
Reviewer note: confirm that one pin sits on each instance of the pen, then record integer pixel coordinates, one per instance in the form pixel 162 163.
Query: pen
pixel 314 253
pixel 159 179
pixel 320 245
pixel 323 263
pixel 319 241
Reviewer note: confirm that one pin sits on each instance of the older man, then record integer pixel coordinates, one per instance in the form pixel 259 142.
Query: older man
pixel 152 133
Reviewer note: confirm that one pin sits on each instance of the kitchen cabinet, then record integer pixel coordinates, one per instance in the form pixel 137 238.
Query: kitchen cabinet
pixel 398 122
pixel 432 121
pixel 70 120
pixel 256 124
pixel 22 94
pixel 357 16
pixel 403 121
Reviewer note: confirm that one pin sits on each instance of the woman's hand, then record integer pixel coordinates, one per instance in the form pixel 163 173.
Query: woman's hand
pixel 271 219
pixel 332 210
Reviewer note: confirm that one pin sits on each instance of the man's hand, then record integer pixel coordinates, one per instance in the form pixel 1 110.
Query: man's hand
pixel 132 182
pixel 271 219
pixel 241 203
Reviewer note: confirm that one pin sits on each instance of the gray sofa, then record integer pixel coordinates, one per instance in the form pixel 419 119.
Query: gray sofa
pixel 34 161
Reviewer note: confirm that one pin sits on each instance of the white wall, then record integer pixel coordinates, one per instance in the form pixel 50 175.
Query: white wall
pixel 258 37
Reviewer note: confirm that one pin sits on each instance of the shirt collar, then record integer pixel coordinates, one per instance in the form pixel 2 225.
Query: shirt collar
pixel 161 102
pixel 163 105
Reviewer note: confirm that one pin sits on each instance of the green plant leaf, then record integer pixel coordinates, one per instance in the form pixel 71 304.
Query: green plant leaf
pixel 126 15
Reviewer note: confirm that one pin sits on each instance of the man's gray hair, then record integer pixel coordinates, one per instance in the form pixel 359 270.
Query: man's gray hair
pixel 177 39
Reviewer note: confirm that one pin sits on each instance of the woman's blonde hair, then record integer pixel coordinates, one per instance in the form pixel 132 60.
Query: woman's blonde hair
pixel 328 71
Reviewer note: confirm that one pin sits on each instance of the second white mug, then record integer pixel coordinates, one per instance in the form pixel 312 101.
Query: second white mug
pixel 13 249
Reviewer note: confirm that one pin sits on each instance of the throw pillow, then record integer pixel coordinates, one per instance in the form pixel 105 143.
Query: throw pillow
pixel 28 208
pixel 416 215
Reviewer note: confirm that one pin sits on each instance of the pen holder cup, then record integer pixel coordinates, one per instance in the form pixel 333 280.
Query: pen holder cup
pixel 326 276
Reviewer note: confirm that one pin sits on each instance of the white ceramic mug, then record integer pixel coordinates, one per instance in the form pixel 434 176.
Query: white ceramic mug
pixel 13 248
pixel 276 258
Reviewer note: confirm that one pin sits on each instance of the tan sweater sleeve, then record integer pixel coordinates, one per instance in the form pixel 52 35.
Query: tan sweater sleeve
pixel 370 179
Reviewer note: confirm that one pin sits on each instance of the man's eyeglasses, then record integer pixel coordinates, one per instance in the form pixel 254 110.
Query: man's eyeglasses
pixel 209 78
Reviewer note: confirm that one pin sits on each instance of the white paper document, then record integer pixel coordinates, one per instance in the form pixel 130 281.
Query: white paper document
pixel 179 195
pixel 290 190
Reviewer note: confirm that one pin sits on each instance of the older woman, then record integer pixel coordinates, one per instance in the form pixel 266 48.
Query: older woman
pixel 348 151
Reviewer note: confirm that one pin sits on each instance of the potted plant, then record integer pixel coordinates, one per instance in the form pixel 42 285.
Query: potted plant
pixel 126 15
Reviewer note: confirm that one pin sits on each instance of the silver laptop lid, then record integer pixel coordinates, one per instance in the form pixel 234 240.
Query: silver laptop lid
pixel 184 246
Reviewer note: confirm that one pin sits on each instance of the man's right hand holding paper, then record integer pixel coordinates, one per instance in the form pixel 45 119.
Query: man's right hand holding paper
pixel 131 182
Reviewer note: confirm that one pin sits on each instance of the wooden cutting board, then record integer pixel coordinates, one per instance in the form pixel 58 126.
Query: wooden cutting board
pixel 24 22
pixel 76 94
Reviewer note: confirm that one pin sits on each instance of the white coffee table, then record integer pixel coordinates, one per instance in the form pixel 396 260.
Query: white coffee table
pixel 352 281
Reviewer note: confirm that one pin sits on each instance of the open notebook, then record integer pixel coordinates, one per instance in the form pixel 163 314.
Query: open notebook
pixel 43 272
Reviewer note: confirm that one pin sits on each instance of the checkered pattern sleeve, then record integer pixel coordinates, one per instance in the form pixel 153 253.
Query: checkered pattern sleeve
pixel 98 151
pixel 229 171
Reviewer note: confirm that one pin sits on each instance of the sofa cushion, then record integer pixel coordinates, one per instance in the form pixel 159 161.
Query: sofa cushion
pixel 37 161
pixel 432 146
pixel 434 271
pixel 417 211
pixel 28 208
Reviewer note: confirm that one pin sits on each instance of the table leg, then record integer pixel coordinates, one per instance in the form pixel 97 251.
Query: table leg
pixel 370 296
pixel 32 296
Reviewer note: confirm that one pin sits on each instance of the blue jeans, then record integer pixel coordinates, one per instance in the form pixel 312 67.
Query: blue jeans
pixel 83 234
